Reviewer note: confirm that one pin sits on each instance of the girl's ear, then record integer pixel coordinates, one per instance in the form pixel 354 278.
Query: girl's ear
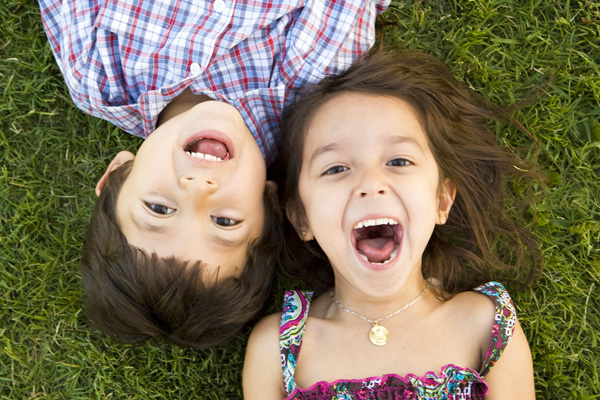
pixel 295 214
pixel 121 158
pixel 446 200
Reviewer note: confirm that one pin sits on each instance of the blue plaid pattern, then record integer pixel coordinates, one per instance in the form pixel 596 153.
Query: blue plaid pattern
pixel 125 60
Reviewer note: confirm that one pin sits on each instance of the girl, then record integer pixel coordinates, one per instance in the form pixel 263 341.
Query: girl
pixel 393 173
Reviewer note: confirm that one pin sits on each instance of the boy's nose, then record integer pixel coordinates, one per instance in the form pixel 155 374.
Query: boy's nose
pixel 199 186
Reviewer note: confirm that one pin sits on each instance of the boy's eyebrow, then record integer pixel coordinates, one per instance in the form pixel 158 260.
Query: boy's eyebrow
pixel 223 241
pixel 144 225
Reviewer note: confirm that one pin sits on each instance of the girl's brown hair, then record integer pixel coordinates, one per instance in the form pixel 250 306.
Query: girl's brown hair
pixel 479 237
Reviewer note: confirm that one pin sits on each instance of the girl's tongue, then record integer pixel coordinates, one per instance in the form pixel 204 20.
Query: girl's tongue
pixel 377 250
pixel 209 146
pixel 376 243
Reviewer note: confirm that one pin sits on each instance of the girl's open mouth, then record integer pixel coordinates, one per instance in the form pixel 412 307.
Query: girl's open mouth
pixel 208 149
pixel 377 240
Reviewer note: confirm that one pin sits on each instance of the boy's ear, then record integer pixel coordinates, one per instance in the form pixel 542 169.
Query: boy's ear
pixel 271 190
pixel 121 158
pixel 298 219
pixel 446 200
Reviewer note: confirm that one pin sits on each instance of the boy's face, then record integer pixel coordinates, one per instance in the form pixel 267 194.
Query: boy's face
pixel 195 190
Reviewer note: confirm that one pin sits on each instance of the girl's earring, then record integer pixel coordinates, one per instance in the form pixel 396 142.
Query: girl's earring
pixel 442 216
pixel 306 236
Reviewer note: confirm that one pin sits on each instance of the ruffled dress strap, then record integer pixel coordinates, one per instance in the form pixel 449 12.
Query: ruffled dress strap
pixel 505 320
pixel 291 331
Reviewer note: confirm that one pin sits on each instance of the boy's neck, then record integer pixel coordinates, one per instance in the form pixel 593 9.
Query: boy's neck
pixel 183 102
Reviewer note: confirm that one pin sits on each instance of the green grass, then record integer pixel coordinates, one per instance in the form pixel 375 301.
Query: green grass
pixel 52 155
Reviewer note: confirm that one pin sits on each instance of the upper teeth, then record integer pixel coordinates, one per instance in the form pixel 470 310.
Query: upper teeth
pixel 209 157
pixel 375 222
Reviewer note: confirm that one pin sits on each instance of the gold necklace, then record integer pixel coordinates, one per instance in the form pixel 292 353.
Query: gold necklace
pixel 379 335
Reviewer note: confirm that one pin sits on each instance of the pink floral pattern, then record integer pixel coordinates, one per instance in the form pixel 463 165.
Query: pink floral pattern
pixel 452 382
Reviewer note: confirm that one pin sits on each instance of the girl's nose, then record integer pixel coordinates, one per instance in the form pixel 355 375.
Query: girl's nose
pixel 366 193
pixel 371 183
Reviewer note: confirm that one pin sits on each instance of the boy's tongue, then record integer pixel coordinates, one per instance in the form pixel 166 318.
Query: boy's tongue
pixel 210 146
pixel 376 250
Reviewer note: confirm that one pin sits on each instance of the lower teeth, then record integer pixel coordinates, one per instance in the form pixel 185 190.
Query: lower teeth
pixel 391 257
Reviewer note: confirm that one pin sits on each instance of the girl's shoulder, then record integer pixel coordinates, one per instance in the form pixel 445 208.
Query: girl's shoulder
pixel 262 371
pixel 273 330
pixel 489 304
pixel 481 303
pixel 486 315
pixel 264 338
pixel 268 326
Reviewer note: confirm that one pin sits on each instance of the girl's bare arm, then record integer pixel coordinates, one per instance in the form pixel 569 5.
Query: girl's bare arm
pixel 263 376
pixel 512 375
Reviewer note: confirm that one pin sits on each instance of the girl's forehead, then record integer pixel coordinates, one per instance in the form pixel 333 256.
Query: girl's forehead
pixel 365 115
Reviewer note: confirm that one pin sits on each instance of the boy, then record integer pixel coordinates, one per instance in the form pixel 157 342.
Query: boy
pixel 185 235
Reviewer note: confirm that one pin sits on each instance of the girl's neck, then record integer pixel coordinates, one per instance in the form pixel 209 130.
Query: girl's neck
pixel 375 306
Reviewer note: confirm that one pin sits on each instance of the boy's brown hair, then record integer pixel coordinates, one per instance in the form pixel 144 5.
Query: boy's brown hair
pixel 479 236
pixel 133 296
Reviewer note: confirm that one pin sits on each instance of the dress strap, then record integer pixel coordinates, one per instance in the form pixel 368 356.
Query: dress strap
pixel 291 331
pixel 505 320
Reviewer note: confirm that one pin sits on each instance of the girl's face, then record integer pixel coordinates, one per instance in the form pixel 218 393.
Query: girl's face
pixel 369 185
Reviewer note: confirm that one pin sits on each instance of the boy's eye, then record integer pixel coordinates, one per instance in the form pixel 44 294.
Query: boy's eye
pixel 335 170
pixel 224 221
pixel 160 209
pixel 399 162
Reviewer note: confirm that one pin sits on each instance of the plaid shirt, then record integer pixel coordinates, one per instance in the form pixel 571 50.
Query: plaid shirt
pixel 125 60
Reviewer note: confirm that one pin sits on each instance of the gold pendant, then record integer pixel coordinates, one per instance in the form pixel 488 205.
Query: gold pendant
pixel 379 335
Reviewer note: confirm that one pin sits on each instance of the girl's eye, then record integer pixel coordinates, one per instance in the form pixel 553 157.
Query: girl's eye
pixel 399 162
pixel 335 170
pixel 224 221
pixel 160 209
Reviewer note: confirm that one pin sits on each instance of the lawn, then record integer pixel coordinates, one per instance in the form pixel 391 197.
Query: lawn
pixel 53 154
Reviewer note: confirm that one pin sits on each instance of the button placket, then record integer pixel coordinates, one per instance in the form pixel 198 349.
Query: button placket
pixel 195 69
pixel 219 6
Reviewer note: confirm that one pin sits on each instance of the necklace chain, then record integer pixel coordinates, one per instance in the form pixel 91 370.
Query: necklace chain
pixel 375 322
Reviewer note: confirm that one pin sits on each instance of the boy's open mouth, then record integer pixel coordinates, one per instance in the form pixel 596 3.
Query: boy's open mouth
pixel 208 149
pixel 377 240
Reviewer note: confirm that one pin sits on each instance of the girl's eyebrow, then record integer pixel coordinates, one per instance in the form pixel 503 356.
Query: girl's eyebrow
pixel 324 149
pixel 396 139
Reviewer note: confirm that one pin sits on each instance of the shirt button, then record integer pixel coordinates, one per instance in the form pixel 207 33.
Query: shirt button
pixel 219 5
pixel 195 69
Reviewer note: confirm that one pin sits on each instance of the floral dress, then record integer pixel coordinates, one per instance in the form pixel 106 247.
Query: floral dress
pixel 451 382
